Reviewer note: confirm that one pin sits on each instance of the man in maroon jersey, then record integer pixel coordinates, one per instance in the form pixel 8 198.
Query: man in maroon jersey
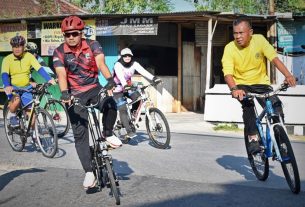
pixel 77 62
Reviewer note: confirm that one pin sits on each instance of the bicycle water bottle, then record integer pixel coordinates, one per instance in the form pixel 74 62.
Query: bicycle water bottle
pixel 269 107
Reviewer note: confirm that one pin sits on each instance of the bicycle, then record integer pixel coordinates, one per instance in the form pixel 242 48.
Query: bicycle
pixel 156 124
pixel 58 111
pixel 275 143
pixel 101 159
pixel 46 136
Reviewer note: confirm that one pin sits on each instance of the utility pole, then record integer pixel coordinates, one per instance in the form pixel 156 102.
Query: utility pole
pixel 272 38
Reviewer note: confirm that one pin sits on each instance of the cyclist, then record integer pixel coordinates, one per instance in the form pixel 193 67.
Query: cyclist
pixel 77 62
pixel 124 69
pixel 16 69
pixel 32 48
pixel 244 68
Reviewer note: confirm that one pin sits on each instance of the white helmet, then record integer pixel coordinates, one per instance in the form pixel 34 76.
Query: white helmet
pixel 31 47
pixel 126 51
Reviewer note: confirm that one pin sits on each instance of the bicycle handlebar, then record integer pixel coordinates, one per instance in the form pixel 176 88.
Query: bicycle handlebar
pixel 282 87
pixel 101 95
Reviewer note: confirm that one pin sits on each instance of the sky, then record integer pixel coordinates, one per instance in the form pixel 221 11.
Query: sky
pixel 182 5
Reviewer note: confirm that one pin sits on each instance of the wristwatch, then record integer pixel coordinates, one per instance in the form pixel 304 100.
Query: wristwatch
pixel 233 88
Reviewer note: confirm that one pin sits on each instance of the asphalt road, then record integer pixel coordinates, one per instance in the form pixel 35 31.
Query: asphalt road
pixel 198 170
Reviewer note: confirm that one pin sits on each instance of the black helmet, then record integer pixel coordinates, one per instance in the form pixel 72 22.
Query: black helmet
pixel 18 40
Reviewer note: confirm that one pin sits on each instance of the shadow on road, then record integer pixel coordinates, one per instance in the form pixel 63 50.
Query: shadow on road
pixel 8 177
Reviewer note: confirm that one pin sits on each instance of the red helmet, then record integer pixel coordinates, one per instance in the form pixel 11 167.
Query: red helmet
pixel 18 40
pixel 72 23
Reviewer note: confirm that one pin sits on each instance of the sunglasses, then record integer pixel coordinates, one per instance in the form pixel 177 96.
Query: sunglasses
pixel 126 56
pixel 74 34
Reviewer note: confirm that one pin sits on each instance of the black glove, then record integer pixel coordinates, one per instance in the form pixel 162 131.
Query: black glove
pixel 111 84
pixel 156 80
pixel 65 95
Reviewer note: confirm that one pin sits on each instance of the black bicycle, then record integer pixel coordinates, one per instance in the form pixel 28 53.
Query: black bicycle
pixel 275 142
pixel 101 159
pixel 44 128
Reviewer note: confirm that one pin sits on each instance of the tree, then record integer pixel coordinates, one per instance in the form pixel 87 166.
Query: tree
pixel 124 6
pixel 249 6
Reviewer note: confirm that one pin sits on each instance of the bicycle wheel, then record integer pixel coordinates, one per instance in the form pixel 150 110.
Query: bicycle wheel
pixel 259 162
pixel 59 114
pixel 96 167
pixel 113 185
pixel 289 164
pixel 45 133
pixel 158 129
pixel 14 136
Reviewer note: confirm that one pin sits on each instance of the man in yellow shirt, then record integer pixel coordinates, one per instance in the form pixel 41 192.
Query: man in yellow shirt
pixel 244 68
pixel 15 73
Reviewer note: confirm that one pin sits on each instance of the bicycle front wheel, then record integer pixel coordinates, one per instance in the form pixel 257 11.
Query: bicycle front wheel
pixel 259 162
pixel 60 116
pixel 157 128
pixel 112 181
pixel 45 133
pixel 14 136
pixel 289 164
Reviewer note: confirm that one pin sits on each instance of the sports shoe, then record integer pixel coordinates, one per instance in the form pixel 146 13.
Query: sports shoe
pixel 130 135
pixel 89 181
pixel 113 141
pixel 254 147
pixel 14 121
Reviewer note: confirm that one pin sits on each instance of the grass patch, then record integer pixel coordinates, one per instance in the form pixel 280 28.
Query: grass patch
pixel 227 127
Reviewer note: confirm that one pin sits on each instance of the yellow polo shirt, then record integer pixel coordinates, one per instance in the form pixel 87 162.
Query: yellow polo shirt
pixel 19 69
pixel 248 65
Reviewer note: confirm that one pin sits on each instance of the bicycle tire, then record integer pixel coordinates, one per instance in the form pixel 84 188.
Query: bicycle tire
pixel 156 133
pixel 15 139
pixel 59 114
pixel 113 185
pixel 47 136
pixel 289 164
pixel 96 169
pixel 258 162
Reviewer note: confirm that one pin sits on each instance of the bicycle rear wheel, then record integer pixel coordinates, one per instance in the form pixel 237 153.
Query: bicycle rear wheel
pixel 113 182
pixel 259 162
pixel 158 129
pixel 46 133
pixel 14 136
pixel 59 114
pixel 289 164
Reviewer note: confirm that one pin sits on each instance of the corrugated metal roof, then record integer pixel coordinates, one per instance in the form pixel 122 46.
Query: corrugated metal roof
pixel 168 16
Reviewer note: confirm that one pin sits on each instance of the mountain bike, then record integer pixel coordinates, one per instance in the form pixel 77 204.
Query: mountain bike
pixel 45 131
pixel 101 158
pixel 275 143
pixel 156 123
pixel 58 111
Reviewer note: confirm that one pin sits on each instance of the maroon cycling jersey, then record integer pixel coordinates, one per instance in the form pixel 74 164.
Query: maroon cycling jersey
pixel 81 68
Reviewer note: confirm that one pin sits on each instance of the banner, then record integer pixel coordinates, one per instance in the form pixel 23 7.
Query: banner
pixel 7 31
pixel 127 26
pixel 291 36
pixel 52 37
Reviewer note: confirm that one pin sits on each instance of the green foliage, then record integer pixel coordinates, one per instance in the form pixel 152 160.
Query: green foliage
pixel 249 6
pixel 227 127
pixel 124 6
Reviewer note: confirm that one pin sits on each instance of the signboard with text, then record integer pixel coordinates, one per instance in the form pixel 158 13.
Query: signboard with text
pixel 127 26
pixel 7 31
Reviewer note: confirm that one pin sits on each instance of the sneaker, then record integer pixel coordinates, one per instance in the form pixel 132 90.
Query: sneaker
pixel 14 121
pixel 130 135
pixel 254 147
pixel 89 181
pixel 113 141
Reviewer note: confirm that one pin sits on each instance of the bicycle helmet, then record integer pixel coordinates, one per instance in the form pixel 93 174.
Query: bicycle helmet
pixel 126 51
pixel 31 47
pixel 16 41
pixel 72 23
